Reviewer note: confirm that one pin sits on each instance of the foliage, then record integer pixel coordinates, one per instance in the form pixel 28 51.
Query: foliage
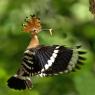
pixel 72 24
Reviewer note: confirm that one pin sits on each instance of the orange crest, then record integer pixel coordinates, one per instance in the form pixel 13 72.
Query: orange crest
pixel 31 24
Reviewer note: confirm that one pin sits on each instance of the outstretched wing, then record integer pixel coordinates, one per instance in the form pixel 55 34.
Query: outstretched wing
pixel 51 60
pixel 58 59
pixel 46 61
pixel 44 54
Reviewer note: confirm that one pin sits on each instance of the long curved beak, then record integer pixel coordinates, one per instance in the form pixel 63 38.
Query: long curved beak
pixel 50 30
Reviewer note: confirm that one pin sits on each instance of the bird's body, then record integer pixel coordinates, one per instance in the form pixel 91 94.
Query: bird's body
pixel 51 60
pixel 44 60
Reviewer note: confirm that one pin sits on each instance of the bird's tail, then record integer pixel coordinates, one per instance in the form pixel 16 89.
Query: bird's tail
pixel 19 83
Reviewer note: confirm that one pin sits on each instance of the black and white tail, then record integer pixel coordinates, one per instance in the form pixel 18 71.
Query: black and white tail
pixel 22 79
pixel 19 83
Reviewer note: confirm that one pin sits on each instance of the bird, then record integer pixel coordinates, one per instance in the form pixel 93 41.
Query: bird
pixel 44 60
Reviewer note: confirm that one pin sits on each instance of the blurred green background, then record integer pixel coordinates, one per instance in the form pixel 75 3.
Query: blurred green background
pixel 72 25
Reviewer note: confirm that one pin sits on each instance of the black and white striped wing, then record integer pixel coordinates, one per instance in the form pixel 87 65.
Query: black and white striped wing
pixel 44 54
pixel 45 61
pixel 35 59
pixel 58 59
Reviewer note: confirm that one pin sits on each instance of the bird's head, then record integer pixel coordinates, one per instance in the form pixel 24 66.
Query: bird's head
pixel 33 25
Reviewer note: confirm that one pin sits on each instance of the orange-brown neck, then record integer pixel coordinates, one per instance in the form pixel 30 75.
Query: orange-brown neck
pixel 34 42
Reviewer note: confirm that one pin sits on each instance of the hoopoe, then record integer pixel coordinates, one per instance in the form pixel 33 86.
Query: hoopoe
pixel 44 60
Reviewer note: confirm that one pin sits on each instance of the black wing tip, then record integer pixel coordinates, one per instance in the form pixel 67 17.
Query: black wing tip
pixel 82 52
pixel 81 59
pixel 80 62
pixel 78 46
pixel 19 84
